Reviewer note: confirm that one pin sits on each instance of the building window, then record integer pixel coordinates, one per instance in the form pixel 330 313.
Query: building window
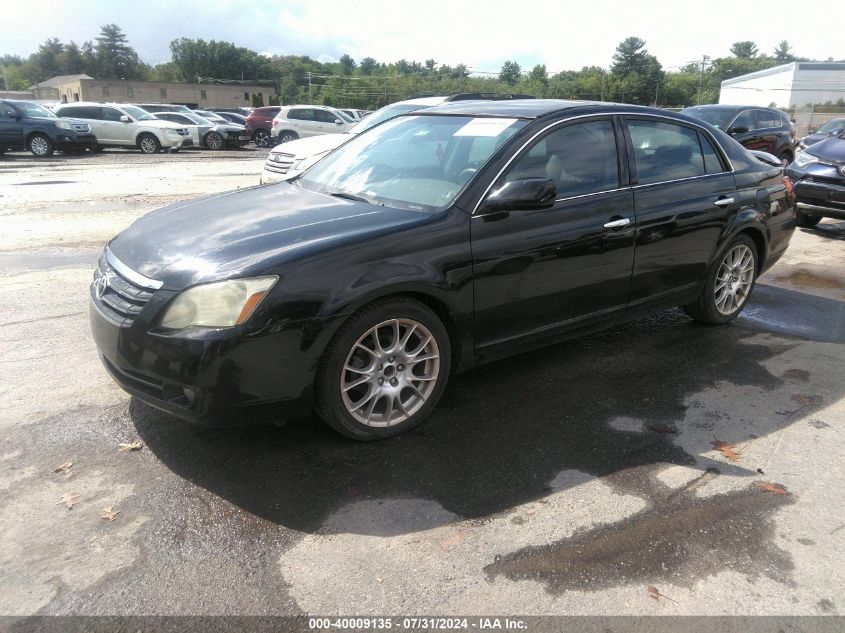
pixel 203 94
pixel 105 91
pixel 130 92
pixel 246 96
pixel 163 93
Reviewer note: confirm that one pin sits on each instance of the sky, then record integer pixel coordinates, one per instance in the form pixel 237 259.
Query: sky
pixel 481 34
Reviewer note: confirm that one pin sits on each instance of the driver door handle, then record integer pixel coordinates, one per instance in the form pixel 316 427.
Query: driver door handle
pixel 724 202
pixel 617 224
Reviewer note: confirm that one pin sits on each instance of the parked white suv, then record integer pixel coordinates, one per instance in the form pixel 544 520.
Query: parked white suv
pixel 292 158
pixel 124 125
pixel 301 121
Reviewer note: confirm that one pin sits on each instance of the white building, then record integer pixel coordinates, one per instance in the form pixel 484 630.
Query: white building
pixel 795 84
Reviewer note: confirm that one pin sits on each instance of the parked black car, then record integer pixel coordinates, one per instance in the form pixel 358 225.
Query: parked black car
pixel 766 129
pixel 232 117
pixel 28 125
pixel 437 240
pixel 834 127
pixel 819 176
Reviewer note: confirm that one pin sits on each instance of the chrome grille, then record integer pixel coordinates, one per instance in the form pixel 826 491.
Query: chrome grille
pixel 118 298
pixel 81 127
pixel 279 163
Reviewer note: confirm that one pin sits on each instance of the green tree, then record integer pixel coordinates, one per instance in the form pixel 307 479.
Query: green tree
pixel 46 63
pixel 347 64
pixel 368 65
pixel 115 58
pixel 510 73
pixel 783 53
pixel 744 50
pixel 637 74
pixel 71 61
pixel 539 74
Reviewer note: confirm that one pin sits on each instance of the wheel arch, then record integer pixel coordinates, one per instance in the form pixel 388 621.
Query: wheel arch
pixel 429 298
pixel 142 133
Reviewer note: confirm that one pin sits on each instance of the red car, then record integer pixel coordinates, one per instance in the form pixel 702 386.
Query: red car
pixel 259 124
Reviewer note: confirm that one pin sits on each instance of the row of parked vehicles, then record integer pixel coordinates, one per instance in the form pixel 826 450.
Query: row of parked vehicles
pixel 153 127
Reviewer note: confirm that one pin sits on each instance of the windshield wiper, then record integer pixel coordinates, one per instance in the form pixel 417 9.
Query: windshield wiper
pixel 352 196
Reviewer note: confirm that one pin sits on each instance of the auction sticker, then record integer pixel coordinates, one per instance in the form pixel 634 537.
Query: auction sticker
pixel 486 126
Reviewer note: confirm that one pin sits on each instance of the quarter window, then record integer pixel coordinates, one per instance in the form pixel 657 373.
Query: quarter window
pixel 665 151
pixel 580 158
pixel 712 162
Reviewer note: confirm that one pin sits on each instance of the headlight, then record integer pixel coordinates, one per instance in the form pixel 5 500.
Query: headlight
pixel 64 125
pixel 171 131
pixel 219 304
pixel 803 159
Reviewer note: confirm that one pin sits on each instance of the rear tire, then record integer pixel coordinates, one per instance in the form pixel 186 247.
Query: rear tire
pixel 39 145
pixel 807 221
pixel 728 284
pixel 149 144
pixel 288 136
pixel 384 371
pixel 261 138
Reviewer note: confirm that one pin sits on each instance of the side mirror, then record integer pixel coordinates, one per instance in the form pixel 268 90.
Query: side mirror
pixel 338 122
pixel 737 129
pixel 124 119
pixel 521 195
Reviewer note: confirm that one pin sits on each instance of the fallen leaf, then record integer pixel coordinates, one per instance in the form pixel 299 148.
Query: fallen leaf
pixel 69 499
pixel 64 467
pixel 765 485
pixel 109 513
pixel 128 447
pixel 728 450
pixel 655 594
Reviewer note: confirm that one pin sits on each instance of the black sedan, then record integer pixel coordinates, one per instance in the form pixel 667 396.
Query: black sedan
pixel 819 176
pixel 435 241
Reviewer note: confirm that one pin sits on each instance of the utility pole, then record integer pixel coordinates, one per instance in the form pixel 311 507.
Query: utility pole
pixel 656 92
pixel 308 75
pixel 704 60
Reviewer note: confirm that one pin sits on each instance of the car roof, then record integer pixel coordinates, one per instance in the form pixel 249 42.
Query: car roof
pixel 728 107
pixel 521 108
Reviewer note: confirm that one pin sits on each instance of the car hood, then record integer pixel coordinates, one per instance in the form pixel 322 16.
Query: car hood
pixel 812 139
pixel 309 146
pixel 229 127
pixel 161 124
pixel 831 149
pixel 248 232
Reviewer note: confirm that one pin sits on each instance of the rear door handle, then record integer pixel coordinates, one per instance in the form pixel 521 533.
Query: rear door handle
pixel 617 224
pixel 724 202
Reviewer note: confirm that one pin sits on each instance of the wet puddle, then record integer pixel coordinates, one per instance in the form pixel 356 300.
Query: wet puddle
pixel 680 540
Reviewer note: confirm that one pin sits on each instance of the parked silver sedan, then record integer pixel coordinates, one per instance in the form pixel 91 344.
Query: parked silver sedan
pixel 208 134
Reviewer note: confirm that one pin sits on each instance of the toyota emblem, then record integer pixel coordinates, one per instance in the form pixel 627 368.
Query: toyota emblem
pixel 101 284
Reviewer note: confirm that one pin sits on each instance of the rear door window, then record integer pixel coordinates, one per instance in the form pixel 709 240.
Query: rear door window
pixel 665 151
pixel 745 119
pixel 767 119
pixel 324 116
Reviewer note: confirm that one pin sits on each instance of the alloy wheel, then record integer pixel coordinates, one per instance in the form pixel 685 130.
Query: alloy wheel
pixel 262 139
pixel 39 146
pixel 148 145
pixel 214 141
pixel 390 372
pixel 734 279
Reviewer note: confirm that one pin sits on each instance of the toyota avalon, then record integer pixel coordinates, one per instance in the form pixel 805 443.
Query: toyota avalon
pixel 428 244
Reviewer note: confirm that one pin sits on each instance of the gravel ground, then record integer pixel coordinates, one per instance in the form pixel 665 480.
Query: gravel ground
pixel 564 481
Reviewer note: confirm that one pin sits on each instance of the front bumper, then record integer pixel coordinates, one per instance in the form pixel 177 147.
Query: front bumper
pixel 75 141
pixel 212 377
pixel 821 198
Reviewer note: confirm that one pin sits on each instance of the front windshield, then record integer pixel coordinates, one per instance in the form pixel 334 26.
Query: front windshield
pixel 384 114
pixel 832 127
pixel 411 162
pixel 137 113
pixel 717 117
pixel 34 110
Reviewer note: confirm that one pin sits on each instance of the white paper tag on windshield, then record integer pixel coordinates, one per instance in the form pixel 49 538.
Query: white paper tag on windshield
pixel 485 127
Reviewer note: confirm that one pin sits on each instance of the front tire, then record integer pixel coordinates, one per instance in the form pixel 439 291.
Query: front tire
pixel 149 144
pixel 41 146
pixel 807 221
pixel 384 371
pixel 729 283
pixel 214 141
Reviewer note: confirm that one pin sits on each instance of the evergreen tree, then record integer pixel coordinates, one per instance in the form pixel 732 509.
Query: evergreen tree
pixel 115 58
pixel 744 50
